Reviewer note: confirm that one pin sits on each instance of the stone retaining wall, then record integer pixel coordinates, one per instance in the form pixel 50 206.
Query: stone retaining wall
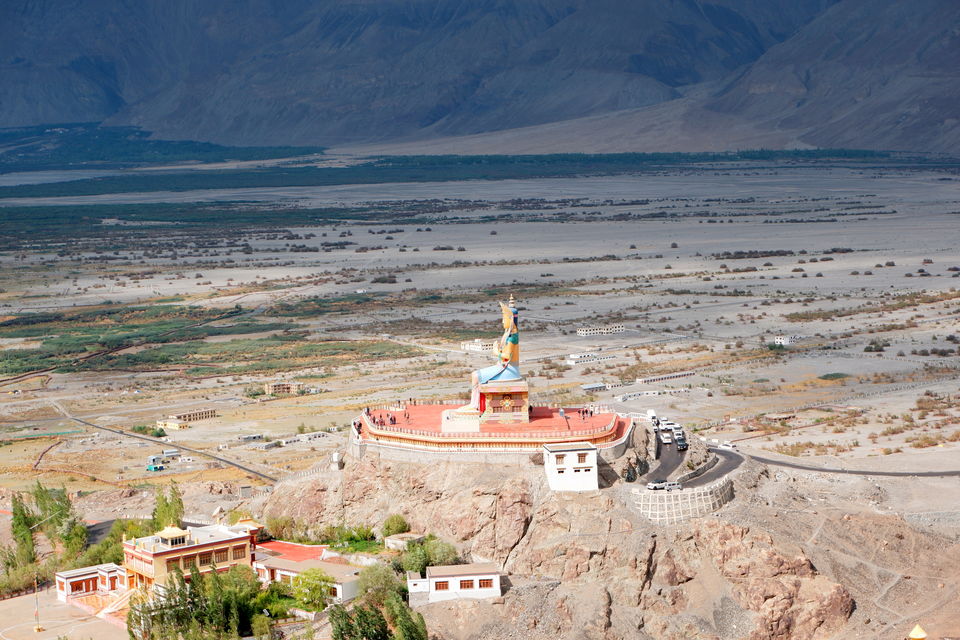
pixel 671 507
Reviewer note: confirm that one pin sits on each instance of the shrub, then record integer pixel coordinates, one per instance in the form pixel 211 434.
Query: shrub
pixel 395 524
pixel 414 559
pixel 377 582
pixel 440 552
pixel 312 589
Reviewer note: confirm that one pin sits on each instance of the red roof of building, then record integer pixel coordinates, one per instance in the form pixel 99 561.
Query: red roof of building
pixel 293 551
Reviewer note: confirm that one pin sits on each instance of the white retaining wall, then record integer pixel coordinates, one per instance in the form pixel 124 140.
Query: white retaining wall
pixel 671 507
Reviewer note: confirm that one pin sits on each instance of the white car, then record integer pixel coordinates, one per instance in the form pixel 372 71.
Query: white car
pixel 730 446
pixel 665 437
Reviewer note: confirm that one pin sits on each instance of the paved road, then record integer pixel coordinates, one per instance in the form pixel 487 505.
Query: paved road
pixel 858 472
pixel 669 459
pixel 727 462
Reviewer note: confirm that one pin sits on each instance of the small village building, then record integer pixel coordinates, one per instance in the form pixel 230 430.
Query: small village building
pixel 584 358
pixel 400 541
pixel 458 581
pixel 593 387
pixel 779 417
pixel 283 388
pixel 194 416
pixel 478 345
pixel 667 376
pixel 170 424
pixel 418 587
pixel 601 331
pixel 280 561
pixel 571 466
pixel 102 579
pixel 345 577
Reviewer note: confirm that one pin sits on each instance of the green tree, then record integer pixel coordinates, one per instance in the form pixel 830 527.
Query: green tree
pixel 341 623
pixel 370 624
pixel 312 589
pixel 216 615
pixel 21 524
pixel 168 510
pixel 395 524
pixel 407 624
pixel 261 627
pixel 440 552
pixel 414 558
pixel 377 582
pixel 161 509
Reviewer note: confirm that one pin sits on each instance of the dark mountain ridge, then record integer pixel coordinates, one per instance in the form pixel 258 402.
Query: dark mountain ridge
pixel 281 72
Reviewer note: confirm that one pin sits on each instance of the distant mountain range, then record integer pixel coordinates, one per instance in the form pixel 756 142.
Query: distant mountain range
pixel 548 75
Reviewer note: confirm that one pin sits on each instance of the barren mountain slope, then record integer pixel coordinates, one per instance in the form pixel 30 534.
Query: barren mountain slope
pixel 585 566
pixel 881 75
pixel 297 71
pixel 864 74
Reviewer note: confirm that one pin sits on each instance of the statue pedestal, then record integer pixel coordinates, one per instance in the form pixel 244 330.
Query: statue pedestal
pixel 462 420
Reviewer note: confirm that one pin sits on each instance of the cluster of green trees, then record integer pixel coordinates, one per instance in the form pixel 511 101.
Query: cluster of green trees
pixel 208 606
pixel 370 622
pixel 156 432
pixel 110 147
pixel 430 553
pixel 414 169
pixel 47 511
pixel 359 538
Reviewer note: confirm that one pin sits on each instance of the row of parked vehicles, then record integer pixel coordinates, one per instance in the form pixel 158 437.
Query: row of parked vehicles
pixel 670 432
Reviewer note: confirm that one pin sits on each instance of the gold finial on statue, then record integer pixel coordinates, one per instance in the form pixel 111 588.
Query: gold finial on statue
pixel 918 633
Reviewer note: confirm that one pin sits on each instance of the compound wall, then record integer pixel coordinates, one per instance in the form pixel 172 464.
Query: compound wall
pixel 671 507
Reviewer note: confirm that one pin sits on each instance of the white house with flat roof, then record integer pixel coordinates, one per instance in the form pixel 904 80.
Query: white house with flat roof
pixel 101 578
pixel 571 466
pixel 345 577
pixel 457 581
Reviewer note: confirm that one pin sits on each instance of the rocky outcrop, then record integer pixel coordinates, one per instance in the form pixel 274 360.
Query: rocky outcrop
pixel 581 565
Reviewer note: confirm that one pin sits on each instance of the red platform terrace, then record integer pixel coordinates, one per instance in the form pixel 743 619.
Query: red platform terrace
pixel 434 426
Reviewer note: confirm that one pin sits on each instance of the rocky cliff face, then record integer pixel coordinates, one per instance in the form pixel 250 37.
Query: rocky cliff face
pixel 581 566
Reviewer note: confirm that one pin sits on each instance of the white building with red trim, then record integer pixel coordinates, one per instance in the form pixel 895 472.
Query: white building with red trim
pixel 102 579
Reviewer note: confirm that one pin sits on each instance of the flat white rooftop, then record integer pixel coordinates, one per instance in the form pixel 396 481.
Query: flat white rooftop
pixel 570 446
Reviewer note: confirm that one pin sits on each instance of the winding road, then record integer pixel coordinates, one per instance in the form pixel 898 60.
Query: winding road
pixel 729 460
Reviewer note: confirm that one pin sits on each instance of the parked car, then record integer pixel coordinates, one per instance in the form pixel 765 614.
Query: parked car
pixel 657 484
pixel 730 446
pixel 682 444
pixel 673 485
pixel 666 437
